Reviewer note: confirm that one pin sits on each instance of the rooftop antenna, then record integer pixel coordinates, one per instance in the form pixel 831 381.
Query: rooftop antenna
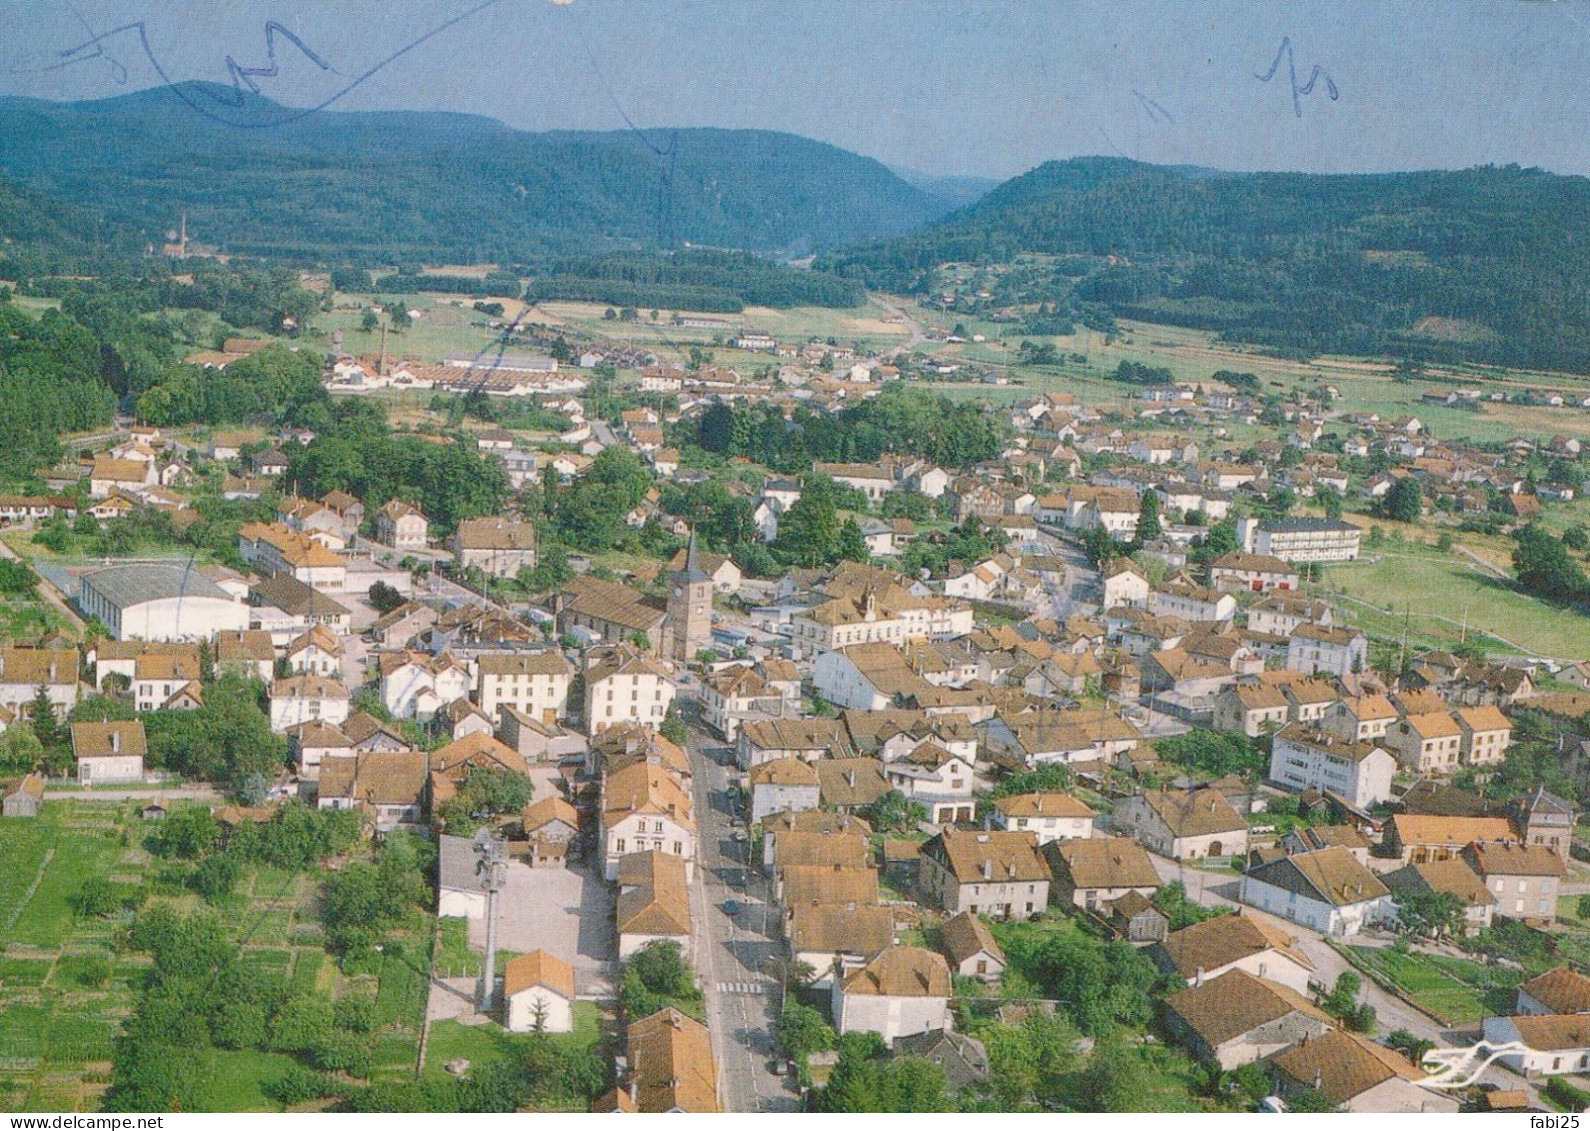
pixel 492 867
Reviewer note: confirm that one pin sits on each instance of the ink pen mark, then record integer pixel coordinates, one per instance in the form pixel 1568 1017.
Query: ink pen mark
pixel 1155 112
pixel 95 48
pixel 245 76
pixel 1291 66
pixel 100 52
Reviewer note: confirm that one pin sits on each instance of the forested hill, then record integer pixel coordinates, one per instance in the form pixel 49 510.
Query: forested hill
pixel 1488 264
pixel 446 186
pixel 40 235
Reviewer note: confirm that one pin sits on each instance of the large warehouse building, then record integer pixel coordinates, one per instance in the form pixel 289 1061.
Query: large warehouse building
pixel 158 602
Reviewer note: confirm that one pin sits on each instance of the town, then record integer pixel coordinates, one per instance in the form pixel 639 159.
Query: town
pixel 1033 742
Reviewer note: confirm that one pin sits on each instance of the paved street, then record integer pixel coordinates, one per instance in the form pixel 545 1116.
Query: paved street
pixel 732 950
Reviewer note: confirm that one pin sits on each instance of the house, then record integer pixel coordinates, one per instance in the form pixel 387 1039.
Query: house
pixel 498 546
pixel 388 786
pixel 963 1059
pixel 276 548
pixel 1486 735
pixel 24 670
pixel 22 798
pixel 1249 943
pixel 538 994
pixel 671 1066
pixel 985 873
pixel 731 695
pixel 1124 584
pixel 1258 573
pixel 851 784
pixel 1192 603
pixel 1097 871
pixel 1051 816
pixel 109 752
pixel 1525 878
pixel 249 653
pixel 653 901
pixel 157 602
pixel 837 939
pixel 402 526
pixel 1236 1018
pixel 157 676
pixel 1557 1042
pixel 460 880
pixel 1251 709
pixel 782 785
pixel 316 652
pixel 1417 838
pixel 416 685
pixel 475 751
pixel 939 781
pixel 1544 818
pixel 1559 990
pixel 1312 838
pixel 535 740
pixel 1356 1074
pixel 1304 758
pixel 624 686
pixel 1183 824
pixel 971 948
pixel 535 683
pixel 1427 744
pixel 1448 877
pixel 1328 891
pixel 308 698
pixel 109 474
pixel 644 807
pixel 301 606
pixel 901 991
pixel 1361 718
pixel 1316 650
pixel 312 743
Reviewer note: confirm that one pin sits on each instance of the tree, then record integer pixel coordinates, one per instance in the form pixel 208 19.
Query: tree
pixel 384 598
pixel 1148 524
pixel 1330 500
pixel 895 813
pixel 369 323
pixel 1404 502
pixel 399 317
pixel 1544 566
pixel 216 876
pixel 673 725
pixel 850 545
pixel 801 1031
pixel 658 976
pixel 46 725
pixel 1430 914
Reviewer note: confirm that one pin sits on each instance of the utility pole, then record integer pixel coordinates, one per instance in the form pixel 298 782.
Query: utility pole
pixel 492 867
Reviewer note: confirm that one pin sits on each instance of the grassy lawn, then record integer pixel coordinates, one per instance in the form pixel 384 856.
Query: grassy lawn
pixel 1456 989
pixel 488 1043
pixel 1439 590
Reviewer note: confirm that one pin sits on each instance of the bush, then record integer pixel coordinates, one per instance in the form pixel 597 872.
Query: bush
pixel 340 1051
pixel 300 1085
pixel 1567 1095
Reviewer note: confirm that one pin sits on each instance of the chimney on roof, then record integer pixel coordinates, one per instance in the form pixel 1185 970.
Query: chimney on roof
pixel 115 742
pixel 988 869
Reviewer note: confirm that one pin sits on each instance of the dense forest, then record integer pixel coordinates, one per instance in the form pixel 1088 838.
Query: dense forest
pixel 692 280
pixel 391 186
pixel 1486 264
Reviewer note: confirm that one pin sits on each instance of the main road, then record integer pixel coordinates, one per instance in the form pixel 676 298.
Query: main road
pixel 734 942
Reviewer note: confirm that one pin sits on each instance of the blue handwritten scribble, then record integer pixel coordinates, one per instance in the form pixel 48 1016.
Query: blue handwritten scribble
pixel 1291 66
pixel 1155 112
pixel 217 107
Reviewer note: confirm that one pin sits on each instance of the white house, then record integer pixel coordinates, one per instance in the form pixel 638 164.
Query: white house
pixel 308 698
pixel 1052 816
pixel 1328 891
pixel 1360 773
pixel 156 602
pixel 538 994
pixel 903 990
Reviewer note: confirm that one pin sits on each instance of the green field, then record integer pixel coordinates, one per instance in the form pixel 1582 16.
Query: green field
pixel 1441 593
pixel 1458 991
pixel 64 988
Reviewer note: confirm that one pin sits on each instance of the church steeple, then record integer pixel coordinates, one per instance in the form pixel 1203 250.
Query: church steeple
pixel 690 606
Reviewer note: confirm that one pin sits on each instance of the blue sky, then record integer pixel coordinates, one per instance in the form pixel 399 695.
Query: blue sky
pixel 983 87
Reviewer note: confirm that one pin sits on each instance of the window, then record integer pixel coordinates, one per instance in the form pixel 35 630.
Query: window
pixel 618 845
